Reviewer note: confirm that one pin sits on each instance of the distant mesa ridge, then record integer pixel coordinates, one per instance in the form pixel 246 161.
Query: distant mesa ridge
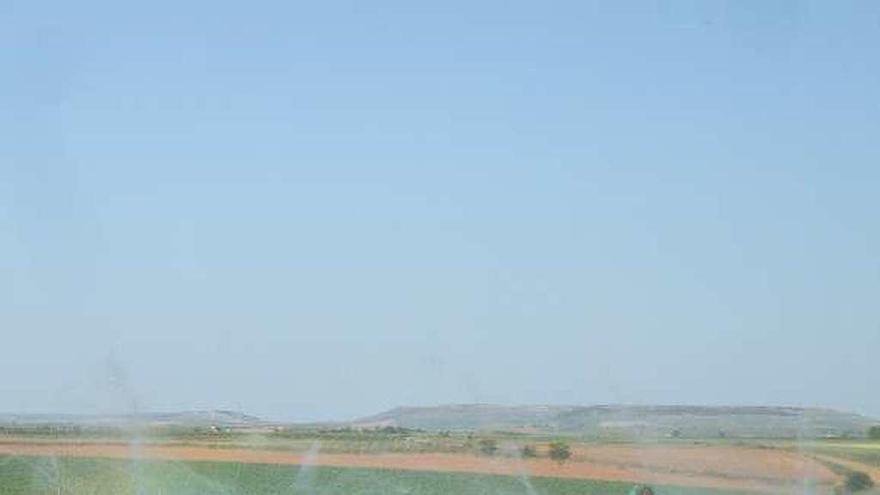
pixel 609 420
pixel 218 417
pixel 627 420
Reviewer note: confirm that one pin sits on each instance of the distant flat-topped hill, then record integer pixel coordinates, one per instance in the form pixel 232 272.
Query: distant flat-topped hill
pixel 210 417
pixel 600 421
pixel 628 420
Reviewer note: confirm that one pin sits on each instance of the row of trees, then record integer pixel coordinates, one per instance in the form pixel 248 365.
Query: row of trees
pixel 558 451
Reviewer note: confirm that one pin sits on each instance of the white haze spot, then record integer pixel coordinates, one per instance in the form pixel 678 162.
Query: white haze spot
pixel 303 482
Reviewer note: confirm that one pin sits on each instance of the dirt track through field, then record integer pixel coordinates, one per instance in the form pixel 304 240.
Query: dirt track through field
pixel 748 469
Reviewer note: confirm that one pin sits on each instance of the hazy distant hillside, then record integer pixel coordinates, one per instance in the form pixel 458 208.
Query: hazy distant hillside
pixel 468 416
pixel 625 421
pixel 216 417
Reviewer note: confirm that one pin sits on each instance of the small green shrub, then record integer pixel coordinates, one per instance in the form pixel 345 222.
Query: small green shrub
pixel 488 446
pixel 642 490
pixel 857 481
pixel 560 452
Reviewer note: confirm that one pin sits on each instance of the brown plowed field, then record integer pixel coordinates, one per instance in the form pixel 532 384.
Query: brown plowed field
pixel 750 469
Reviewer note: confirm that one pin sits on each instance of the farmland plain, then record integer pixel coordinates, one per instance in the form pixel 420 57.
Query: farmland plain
pixel 227 454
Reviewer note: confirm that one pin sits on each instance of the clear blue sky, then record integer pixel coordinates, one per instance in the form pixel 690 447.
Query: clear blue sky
pixel 325 209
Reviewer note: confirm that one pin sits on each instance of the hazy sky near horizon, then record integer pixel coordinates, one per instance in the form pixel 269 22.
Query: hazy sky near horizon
pixel 323 209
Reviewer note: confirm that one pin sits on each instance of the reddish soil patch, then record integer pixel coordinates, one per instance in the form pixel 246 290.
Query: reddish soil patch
pixel 730 462
pixel 760 470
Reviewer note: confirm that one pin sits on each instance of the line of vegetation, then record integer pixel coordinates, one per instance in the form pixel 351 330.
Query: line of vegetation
pixel 853 481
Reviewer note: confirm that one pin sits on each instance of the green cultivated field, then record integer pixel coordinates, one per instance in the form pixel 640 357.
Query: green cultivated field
pixel 45 476
pixel 860 451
